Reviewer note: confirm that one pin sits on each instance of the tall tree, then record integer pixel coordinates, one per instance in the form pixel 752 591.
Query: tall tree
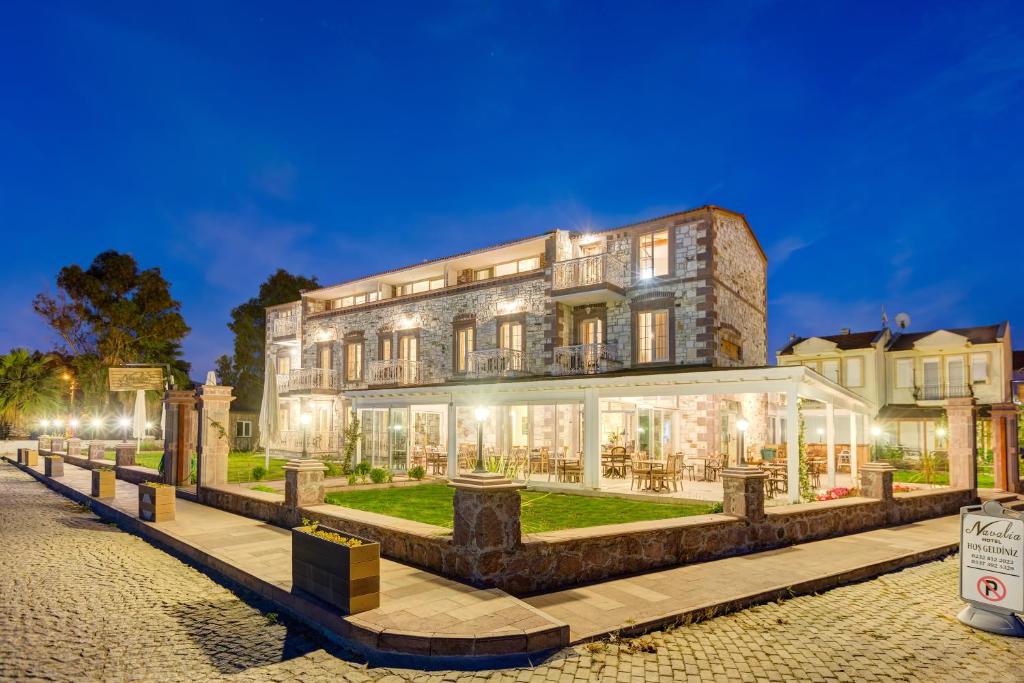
pixel 113 313
pixel 30 386
pixel 244 369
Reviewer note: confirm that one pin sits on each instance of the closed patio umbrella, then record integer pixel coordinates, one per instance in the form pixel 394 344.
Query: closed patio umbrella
pixel 269 427
pixel 139 419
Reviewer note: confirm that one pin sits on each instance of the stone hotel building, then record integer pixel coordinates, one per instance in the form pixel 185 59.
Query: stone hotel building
pixel 651 337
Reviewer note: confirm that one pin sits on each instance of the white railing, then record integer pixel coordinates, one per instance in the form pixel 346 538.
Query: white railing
pixel 585 359
pixel 395 371
pixel 309 379
pixel 495 362
pixel 283 327
pixel 599 269
pixel 316 442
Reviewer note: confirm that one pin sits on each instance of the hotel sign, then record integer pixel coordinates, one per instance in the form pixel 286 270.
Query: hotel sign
pixel 134 379
pixel 992 559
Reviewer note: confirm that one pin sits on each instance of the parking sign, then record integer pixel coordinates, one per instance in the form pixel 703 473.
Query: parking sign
pixel 991 566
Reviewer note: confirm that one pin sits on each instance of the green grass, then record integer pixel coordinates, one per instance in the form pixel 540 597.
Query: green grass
pixel 240 465
pixel 986 480
pixel 265 489
pixel 542 511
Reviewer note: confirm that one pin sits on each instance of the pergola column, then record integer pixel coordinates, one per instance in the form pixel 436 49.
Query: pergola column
pixel 213 402
pixel 793 445
pixel 591 439
pixel 853 448
pixel 830 442
pixel 453 453
pixel 1004 447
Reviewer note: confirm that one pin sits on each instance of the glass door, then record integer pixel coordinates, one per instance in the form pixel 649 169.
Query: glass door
pixel 932 383
pixel 373 439
pixel 955 377
pixel 399 441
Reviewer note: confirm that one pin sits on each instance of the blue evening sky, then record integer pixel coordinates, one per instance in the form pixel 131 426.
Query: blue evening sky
pixel 876 148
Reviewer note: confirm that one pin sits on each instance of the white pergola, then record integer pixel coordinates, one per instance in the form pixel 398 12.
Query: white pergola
pixel 794 383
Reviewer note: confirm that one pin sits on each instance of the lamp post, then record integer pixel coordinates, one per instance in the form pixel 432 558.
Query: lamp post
pixel 95 423
pixel 125 423
pixel 45 424
pixel 304 420
pixel 480 414
pixel 876 432
pixel 741 427
pixel 70 379
pixel 73 426
pixel 57 424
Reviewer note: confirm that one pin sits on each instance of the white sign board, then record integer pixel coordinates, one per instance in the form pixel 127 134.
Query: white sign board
pixel 991 566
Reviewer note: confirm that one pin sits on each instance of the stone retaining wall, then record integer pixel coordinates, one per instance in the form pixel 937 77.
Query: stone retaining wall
pixel 268 507
pixel 135 474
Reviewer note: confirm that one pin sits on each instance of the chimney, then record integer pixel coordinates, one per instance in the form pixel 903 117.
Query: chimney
pixel 844 331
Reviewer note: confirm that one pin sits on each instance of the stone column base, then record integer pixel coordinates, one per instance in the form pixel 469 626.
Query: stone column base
pixel 487 513
pixel 303 483
pixel 876 480
pixel 743 492
pixel 124 454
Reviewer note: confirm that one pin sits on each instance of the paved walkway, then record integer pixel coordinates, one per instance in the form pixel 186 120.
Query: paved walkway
pixel 673 594
pixel 85 601
pixel 419 610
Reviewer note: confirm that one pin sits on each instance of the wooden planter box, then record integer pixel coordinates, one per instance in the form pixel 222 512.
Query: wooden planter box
pixel 343 577
pixel 103 482
pixel 156 503
pixel 31 457
pixel 53 465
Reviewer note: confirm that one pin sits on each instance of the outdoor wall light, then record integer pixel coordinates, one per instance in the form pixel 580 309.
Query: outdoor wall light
pixel 940 432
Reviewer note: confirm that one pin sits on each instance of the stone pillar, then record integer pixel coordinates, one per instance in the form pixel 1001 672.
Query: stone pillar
pixel 213 403
pixel 743 492
pixel 180 435
pixel 486 523
pixel 303 486
pixel 96 451
pixel 124 454
pixel 1004 447
pixel 963 445
pixel 74 447
pixel 876 480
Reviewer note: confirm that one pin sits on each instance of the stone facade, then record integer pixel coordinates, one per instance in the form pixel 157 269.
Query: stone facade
pixel 714 291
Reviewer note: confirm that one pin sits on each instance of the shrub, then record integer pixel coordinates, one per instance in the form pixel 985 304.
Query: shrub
pixel 417 472
pixel 361 470
pixel 258 473
pixel 352 480
pixel 378 475
pixel 333 469
pixel 717 507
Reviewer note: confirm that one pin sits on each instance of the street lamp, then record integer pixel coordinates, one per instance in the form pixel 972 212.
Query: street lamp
pixel 741 426
pixel 304 420
pixel 73 425
pixel 480 414
pixel 125 423
pixel 876 432
pixel 96 423
pixel 45 425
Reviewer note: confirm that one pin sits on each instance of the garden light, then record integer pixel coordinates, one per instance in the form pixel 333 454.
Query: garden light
pixel 57 423
pixel 124 422
pixel 480 413
pixel 96 423
pixel 45 423
pixel 74 422
pixel 876 431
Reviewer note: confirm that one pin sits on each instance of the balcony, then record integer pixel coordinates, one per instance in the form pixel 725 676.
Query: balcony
pixel 589 280
pixel 309 381
pixel 395 372
pixel 586 359
pixel 940 392
pixel 496 363
pixel 283 327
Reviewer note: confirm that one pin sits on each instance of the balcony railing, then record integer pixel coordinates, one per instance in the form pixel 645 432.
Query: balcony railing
pixel 316 441
pixel 395 371
pixel 283 327
pixel 938 392
pixel 496 362
pixel 309 379
pixel 585 359
pixel 589 271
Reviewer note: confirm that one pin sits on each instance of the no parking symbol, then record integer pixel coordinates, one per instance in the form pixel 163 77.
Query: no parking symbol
pixel 991 588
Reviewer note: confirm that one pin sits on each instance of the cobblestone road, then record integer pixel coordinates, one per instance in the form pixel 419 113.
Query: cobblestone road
pixel 80 600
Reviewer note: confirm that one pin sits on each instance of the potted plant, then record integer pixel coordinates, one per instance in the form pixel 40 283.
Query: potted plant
pixel 103 481
pixel 341 569
pixel 53 465
pixel 156 502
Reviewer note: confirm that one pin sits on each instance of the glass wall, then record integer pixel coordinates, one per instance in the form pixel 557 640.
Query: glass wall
pixel 398 439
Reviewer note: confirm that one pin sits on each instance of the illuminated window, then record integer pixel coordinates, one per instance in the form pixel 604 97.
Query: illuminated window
pixel 653 259
pixel 354 361
pixel 464 340
pixel 652 336
pixel 510 336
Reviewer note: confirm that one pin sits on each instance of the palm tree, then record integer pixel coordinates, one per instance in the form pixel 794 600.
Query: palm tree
pixel 29 386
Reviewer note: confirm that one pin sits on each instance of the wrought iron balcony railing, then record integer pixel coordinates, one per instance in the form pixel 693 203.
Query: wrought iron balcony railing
pixel 496 362
pixel 395 371
pixel 309 379
pixel 589 271
pixel 938 392
pixel 585 359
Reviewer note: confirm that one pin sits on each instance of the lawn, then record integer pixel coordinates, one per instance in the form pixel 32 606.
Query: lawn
pixel 542 511
pixel 986 480
pixel 240 464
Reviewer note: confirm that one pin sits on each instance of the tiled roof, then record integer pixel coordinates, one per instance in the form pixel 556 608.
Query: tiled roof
pixel 844 342
pixel 986 334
